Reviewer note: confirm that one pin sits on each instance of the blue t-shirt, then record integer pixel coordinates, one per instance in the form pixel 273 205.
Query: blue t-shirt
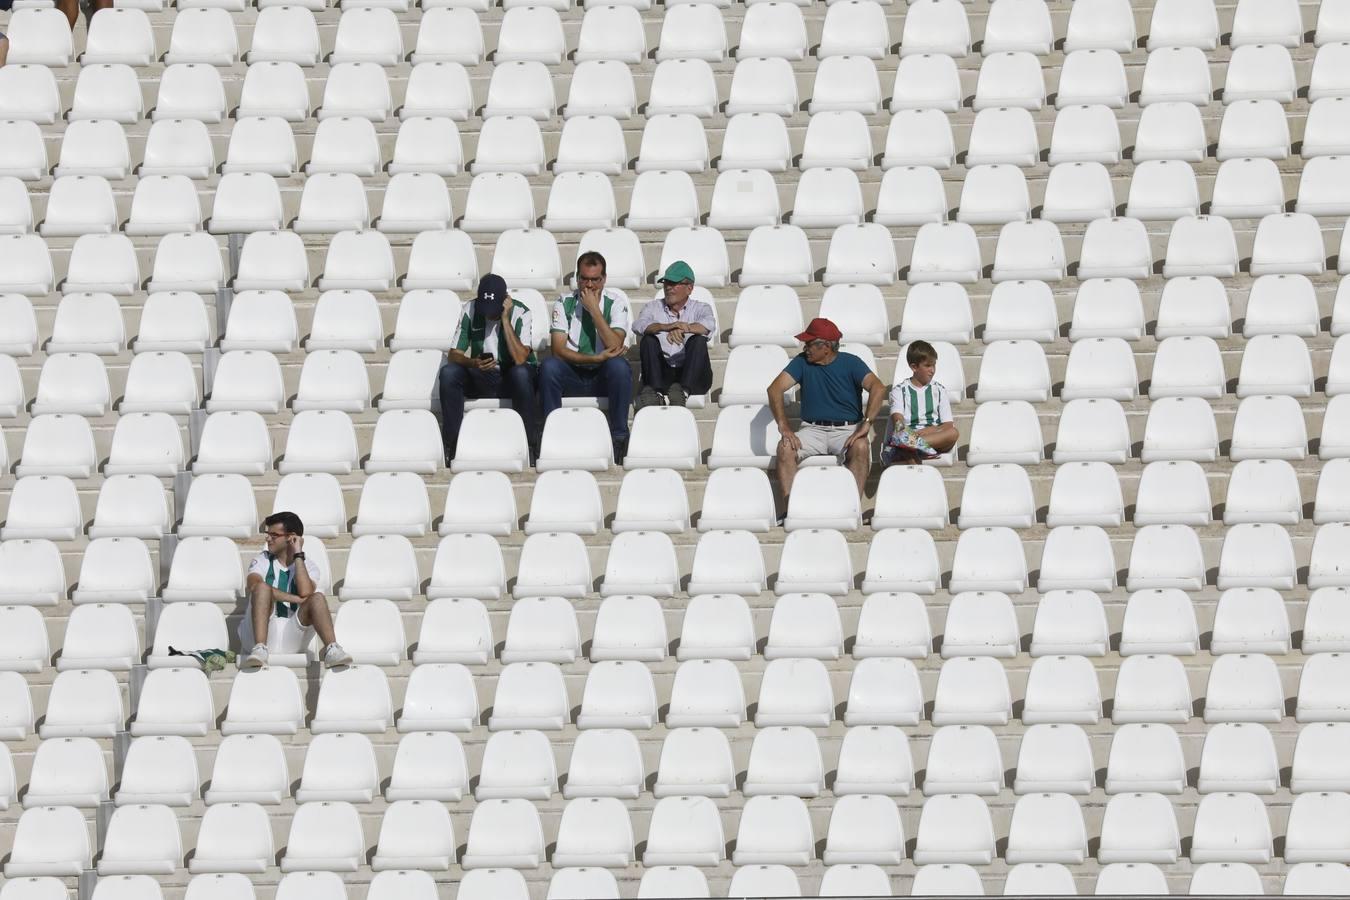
pixel 830 393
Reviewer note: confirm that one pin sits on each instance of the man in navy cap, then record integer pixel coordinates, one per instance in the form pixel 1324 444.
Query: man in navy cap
pixel 490 361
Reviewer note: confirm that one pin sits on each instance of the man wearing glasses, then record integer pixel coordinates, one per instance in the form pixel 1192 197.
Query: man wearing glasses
pixel 833 420
pixel 284 603
pixel 587 335
pixel 674 348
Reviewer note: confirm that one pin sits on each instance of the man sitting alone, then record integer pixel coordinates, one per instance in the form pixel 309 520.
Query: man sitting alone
pixel 922 426
pixel 283 599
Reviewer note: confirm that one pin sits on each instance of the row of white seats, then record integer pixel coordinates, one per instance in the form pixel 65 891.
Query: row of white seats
pixel 873 760
pixel 1091 428
pixel 1194 309
pixel 774 831
pixel 193 92
pixel 840 880
pixel 1187 369
pixel 535 33
pixel 1101 368
pixel 83 202
pixel 632 627
pixel 103 634
pixel 1284 244
pixel 406 444
pixel 1251 130
pixel 704 693
pixel 1180 425
pixel 856 30
pixel 395 507
pixel 1005 436
pixel 1193 315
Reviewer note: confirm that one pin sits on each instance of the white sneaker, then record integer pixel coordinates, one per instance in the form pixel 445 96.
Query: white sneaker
pixel 255 658
pixel 334 655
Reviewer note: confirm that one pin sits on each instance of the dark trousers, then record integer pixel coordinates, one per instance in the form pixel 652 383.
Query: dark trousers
pixel 460 383
pixel 694 372
pixel 612 379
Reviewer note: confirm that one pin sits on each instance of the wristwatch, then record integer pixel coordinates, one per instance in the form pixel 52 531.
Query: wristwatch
pixel 300 555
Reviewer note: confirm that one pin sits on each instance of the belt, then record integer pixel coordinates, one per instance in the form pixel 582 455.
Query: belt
pixel 826 424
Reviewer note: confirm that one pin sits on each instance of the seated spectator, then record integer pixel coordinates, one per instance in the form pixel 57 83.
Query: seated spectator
pixel 587 334
pixel 674 345
pixel 490 361
pixel 283 600
pixel 833 420
pixel 922 426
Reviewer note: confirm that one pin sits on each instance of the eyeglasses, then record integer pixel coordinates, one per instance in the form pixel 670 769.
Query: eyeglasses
pixel 275 534
pixel 818 343
pixel 585 280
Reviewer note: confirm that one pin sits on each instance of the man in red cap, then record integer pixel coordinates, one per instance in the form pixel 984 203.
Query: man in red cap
pixel 833 420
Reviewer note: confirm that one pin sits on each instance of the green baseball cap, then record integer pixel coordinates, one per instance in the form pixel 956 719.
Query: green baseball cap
pixel 678 272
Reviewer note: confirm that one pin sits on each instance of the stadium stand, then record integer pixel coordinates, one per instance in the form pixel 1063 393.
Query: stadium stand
pixel 1101 646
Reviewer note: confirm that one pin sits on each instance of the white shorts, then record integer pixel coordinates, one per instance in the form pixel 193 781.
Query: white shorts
pixel 823 440
pixel 283 635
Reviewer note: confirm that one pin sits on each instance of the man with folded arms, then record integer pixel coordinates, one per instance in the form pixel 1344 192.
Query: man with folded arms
pixel 674 350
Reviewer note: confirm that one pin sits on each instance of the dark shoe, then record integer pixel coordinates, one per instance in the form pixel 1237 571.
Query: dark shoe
pixel 677 395
pixel 620 451
pixel 648 396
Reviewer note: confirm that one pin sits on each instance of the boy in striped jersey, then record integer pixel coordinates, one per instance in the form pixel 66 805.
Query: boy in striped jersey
pixel 922 426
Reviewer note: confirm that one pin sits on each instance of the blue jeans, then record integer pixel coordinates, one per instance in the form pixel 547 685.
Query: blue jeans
pixel 458 382
pixel 612 379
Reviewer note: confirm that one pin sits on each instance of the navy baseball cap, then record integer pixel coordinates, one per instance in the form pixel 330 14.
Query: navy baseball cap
pixel 491 295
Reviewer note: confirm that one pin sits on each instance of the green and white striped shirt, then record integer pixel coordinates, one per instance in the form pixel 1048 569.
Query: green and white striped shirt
pixel 571 318
pixel 477 335
pixel 920 407
pixel 274 574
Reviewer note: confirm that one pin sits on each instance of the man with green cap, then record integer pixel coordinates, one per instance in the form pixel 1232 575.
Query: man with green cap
pixel 674 329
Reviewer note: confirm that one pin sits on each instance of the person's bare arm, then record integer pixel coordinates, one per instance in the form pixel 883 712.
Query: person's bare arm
pixel 778 408
pixel 612 338
pixel 558 344
pixel 876 393
pixel 253 580
pixel 303 584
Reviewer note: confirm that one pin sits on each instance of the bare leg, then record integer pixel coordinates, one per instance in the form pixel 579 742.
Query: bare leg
pixel 314 611
pixel 71 10
pixel 940 437
pixel 96 5
pixel 4 49
pixel 787 468
pixel 260 604
pixel 859 462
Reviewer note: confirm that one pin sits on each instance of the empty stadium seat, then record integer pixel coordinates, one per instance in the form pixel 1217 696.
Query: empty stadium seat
pixel 1171 128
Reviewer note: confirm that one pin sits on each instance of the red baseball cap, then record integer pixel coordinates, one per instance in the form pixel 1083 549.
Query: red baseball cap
pixel 820 330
